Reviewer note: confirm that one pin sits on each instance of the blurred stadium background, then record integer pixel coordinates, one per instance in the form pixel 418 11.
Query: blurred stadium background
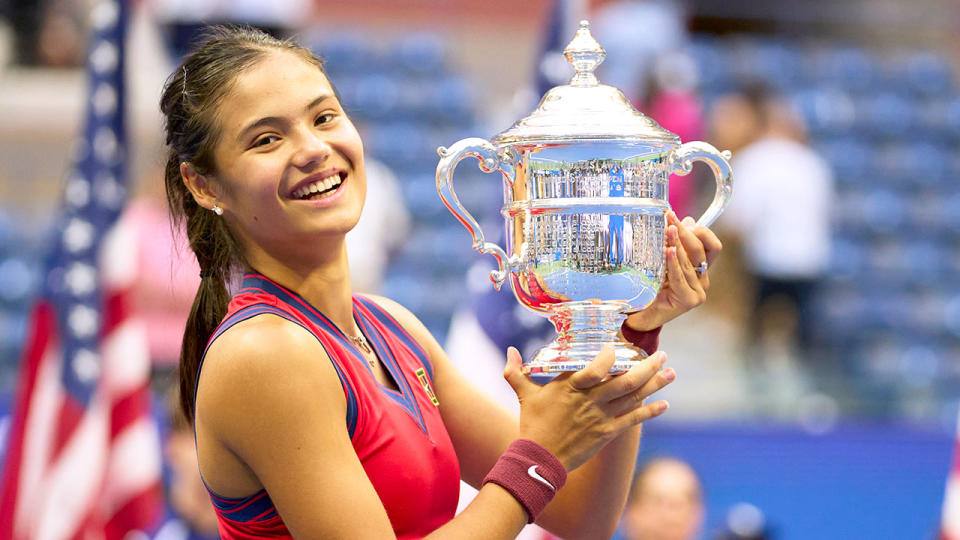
pixel 850 440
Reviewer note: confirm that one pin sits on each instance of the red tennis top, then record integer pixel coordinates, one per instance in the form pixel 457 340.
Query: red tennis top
pixel 398 435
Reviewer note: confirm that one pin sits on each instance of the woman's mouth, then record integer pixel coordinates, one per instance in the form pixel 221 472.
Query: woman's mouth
pixel 320 188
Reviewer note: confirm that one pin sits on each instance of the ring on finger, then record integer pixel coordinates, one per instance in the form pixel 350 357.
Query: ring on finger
pixel 701 269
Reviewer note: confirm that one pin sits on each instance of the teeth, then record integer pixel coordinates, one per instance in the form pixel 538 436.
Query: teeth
pixel 318 186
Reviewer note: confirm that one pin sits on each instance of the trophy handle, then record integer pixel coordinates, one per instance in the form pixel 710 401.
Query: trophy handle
pixel 681 162
pixel 490 160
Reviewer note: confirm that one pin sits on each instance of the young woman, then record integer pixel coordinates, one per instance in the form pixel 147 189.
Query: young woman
pixel 323 414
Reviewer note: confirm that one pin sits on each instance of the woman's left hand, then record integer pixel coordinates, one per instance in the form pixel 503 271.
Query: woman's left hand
pixel 689 246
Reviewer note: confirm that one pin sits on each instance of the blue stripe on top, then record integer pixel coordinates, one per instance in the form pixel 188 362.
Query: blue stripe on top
pixel 387 320
pixel 255 508
pixel 406 397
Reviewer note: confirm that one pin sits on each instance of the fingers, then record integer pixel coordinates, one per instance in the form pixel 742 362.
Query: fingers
pixel 631 401
pixel 684 284
pixel 641 414
pixel 513 373
pixel 691 243
pixel 684 278
pixel 711 243
pixel 633 380
pixel 596 371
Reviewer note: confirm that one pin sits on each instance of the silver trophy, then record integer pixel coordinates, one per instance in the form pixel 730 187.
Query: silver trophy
pixel 585 180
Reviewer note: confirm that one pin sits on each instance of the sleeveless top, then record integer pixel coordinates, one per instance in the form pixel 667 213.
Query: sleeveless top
pixel 398 435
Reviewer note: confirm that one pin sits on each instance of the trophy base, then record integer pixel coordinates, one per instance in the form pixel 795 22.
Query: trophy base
pixel 581 339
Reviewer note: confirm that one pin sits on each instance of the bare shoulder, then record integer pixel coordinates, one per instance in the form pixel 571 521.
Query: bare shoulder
pixel 262 368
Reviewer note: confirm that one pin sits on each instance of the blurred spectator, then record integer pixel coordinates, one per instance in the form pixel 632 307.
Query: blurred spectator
pixel 60 37
pixel 734 123
pixel 635 33
pixel 745 522
pixel 673 102
pixel 193 516
pixel 167 271
pixel 666 502
pixel 781 214
pixel 383 228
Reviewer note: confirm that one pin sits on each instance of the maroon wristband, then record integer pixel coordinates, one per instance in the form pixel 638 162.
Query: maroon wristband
pixel 649 341
pixel 530 473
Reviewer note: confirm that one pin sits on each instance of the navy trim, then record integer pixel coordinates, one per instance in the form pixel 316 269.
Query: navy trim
pixel 263 285
pixel 407 399
pixel 259 309
pixel 398 330
pixel 258 510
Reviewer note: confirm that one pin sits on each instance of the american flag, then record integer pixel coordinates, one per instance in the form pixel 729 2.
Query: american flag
pixel 83 459
pixel 950 519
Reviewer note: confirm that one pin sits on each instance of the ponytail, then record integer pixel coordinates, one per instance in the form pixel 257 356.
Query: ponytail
pixel 189 103
pixel 217 255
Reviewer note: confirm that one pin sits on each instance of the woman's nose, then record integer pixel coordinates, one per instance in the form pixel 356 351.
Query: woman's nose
pixel 312 150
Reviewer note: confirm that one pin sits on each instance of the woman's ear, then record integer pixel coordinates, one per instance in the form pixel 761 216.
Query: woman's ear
pixel 200 187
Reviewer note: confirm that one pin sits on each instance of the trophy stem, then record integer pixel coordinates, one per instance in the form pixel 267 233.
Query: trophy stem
pixel 583 329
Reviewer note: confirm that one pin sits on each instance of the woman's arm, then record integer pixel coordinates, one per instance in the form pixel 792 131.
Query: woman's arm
pixel 270 399
pixel 270 402
pixel 574 417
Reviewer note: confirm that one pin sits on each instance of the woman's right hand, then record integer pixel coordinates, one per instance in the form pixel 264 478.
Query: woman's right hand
pixel 578 413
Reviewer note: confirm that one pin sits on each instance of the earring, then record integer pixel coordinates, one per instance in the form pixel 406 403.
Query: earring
pixel 217 210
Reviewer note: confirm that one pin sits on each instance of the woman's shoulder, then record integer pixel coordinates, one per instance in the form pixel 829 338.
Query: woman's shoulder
pixel 259 355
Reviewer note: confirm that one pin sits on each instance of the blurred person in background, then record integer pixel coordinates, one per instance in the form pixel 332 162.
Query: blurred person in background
pixel 666 502
pixel 780 215
pixel 635 33
pixel 193 517
pixel 383 228
pixel 671 99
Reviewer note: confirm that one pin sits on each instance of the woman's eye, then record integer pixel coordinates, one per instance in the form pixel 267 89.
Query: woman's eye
pixel 324 118
pixel 265 140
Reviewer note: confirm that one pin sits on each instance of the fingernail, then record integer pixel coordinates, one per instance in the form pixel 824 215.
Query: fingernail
pixel 669 374
pixel 662 406
pixel 663 359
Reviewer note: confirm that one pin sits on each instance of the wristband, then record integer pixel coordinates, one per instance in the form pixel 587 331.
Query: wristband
pixel 530 473
pixel 649 341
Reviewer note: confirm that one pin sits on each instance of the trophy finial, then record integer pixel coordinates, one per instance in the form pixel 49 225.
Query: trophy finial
pixel 584 54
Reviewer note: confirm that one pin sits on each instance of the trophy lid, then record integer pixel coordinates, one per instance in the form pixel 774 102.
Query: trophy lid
pixel 584 109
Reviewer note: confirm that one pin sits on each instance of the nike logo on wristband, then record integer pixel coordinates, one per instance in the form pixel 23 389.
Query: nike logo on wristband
pixel 532 471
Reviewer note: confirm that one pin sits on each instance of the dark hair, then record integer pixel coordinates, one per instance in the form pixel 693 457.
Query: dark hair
pixel 191 96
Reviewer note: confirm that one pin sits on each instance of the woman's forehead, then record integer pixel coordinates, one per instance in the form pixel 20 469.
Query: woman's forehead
pixel 281 81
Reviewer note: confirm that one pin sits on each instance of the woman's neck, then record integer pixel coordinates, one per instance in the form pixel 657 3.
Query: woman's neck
pixel 322 278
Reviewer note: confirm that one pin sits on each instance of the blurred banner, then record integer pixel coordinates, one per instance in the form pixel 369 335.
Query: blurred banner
pixel 83 459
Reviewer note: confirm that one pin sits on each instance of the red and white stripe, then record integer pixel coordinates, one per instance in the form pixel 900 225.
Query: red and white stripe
pixel 93 472
pixel 950 519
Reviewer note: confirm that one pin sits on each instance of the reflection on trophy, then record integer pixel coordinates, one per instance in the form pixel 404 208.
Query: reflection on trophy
pixel 585 181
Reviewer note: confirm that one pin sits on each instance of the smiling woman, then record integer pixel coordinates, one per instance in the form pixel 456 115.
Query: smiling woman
pixel 323 413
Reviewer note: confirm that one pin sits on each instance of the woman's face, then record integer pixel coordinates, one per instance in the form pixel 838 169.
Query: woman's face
pixel 289 163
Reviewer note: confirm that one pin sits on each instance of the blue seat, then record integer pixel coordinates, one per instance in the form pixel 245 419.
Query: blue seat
pixel 852 68
pixel 713 63
pixel 924 72
pixel 20 280
pixel 826 110
pixel 344 52
pixel 886 115
pixel 421 53
pixel 850 157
